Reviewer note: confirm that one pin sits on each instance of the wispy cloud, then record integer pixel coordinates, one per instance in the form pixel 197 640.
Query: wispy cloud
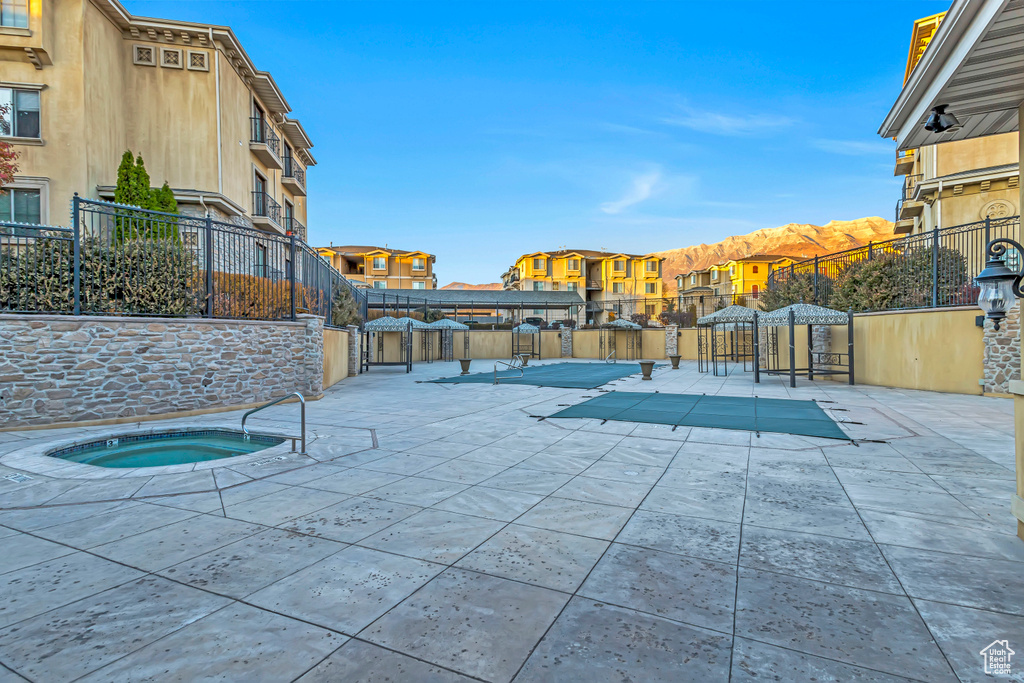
pixel 725 124
pixel 857 148
pixel 641 189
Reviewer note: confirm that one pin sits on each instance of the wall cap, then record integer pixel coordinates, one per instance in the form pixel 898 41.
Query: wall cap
pixel 1017 387
pixel 40 317
pixel 920 310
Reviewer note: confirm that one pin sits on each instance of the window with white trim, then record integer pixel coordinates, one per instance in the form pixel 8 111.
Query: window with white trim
pixel 380 263
pixel 380 284
pixel 419 264
pixel 538 286
pixel 618 287
pixel 419 285
pixel 714 274
pixel 693 279
pixel 574 264
pixel 652 266
pixel 651 287
pixel 571 287
pixel 538 264
pixel 619 266
pixel 14 13
pixel 20 113
pixel 21 205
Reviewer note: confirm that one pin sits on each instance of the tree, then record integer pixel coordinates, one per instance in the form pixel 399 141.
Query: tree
pixel 163 199
pixel 344 310
pixel 8 155
pixel 133 189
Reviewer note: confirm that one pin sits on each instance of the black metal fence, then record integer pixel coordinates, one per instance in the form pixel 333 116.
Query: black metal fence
pixel 928 270
pixel 121 260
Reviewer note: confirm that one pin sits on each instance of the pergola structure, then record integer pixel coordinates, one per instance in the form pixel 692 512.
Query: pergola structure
pixel 728 334
pixel 821 362
pixel 481 306
pixel 608 346
pixel 378 329
pixel 530 346
pixel 446 329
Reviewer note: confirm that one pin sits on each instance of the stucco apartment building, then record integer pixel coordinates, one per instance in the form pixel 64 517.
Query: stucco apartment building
pixel 612 284
pixel 85 80
pixel 746 276
pixel 957 182
pixel 382 267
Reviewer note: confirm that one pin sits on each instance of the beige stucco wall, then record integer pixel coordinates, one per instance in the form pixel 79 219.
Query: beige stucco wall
pixel 335 356
pixel 490 344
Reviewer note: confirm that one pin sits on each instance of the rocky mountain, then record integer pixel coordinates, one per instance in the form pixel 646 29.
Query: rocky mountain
pixel 798 240
pixel 464 285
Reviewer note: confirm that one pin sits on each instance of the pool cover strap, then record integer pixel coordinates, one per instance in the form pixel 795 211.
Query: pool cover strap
pixel 786 416
pixel 565 375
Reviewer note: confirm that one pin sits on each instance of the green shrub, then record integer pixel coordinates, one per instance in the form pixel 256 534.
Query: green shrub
pixel 344 311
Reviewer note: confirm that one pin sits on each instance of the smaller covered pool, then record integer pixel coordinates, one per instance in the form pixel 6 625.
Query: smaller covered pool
pixel 165 448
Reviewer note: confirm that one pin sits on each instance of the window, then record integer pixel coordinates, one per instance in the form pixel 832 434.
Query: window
pixel 571 287
pixel 20 206
pixel 538 286
pixel 574 264
pixel 755 291
pixel 693 279
pixel 380 284
pixel 714 274
pixel 618 287
pixel 554 286
pixel 419 285
pixel 732 271
pixel 419 264
pixel 197 61
pixel 14 13
pixel 289 216
pixel 753 269
pixel 380 263
pixel 21 113
pixel 651 287
pixel 538 264
pixel 652 266
pixel 143 55
pixel 261 260
pixel 619 266
pixel 171 57
pixel 716 291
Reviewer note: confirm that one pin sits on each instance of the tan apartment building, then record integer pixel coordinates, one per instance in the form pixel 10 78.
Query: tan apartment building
pixel 85 81
pixel 383 268
pixel 745 277
pixel 958 182
pixel 613 285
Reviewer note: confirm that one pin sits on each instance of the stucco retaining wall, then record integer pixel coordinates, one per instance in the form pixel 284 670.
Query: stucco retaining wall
pixel 69 369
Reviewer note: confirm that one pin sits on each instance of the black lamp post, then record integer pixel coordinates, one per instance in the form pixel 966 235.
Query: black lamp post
pixel 999 285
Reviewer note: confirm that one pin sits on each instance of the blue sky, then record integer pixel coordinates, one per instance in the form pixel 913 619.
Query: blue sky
pixel 481 131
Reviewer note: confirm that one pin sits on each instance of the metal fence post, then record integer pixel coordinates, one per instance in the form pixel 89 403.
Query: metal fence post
pixel 935 267
pixel 815 279
pixel 209 266
pixel 870 250
pixel 291 275
pixel 77 256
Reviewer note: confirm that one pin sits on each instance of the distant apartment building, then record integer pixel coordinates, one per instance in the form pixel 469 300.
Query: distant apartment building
pixel 954 183
pixel 613 285
pixel 735 281
pixel 84 80
pixel 383 268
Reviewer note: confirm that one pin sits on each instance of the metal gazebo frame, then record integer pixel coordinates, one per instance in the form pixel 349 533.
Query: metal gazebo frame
pixel 818 362
pixel 518 348
pixel 377 329
pixel 446 329
pixel 608 342
pixel 728 334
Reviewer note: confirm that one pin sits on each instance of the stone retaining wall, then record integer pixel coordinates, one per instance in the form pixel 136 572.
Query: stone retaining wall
pixel 69 369
pixel 1002 352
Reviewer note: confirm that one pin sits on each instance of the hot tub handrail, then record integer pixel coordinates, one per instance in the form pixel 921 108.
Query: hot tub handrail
pixel 611 358
pixel 302 416
pixel 515 364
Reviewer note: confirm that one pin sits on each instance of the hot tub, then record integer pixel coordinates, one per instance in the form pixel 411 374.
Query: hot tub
pixel 165 448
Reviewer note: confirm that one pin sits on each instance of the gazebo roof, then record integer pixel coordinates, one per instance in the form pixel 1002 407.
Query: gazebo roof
pixel 447 324
pixel 624 324
pixel 526 328
pixel 389 324
pixel 803 314
pixel 729 314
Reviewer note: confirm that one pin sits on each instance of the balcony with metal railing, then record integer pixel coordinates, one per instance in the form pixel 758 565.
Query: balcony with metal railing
pixel 264 143
pixel 594 286
pixel 294 176
pixel 904 162
pixel 907 208
pixel 266 212
pixel 296 228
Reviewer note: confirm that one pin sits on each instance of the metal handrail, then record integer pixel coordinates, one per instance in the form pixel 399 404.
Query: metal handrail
pixel 613 360
pixel 302 415
pixel 515 364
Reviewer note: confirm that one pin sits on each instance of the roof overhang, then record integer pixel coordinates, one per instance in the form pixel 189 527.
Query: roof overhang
pixel 975 65
pixel 186 196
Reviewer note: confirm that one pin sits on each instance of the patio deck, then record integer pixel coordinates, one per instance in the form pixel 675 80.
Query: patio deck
pixel 439 532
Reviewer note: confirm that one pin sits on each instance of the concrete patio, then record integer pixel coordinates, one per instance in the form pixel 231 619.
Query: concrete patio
pixel 443 532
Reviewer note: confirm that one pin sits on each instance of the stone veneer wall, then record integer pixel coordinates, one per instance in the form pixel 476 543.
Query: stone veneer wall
pixel 68 369
pixel 671 340
pixel 1002 353
pixel 566 342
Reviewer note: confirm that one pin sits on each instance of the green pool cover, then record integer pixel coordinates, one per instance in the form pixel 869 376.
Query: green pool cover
pixel 566 375
pixel 805 418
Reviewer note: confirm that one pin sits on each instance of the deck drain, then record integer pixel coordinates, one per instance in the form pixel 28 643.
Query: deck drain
pixel 18 478
pixel 267 461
